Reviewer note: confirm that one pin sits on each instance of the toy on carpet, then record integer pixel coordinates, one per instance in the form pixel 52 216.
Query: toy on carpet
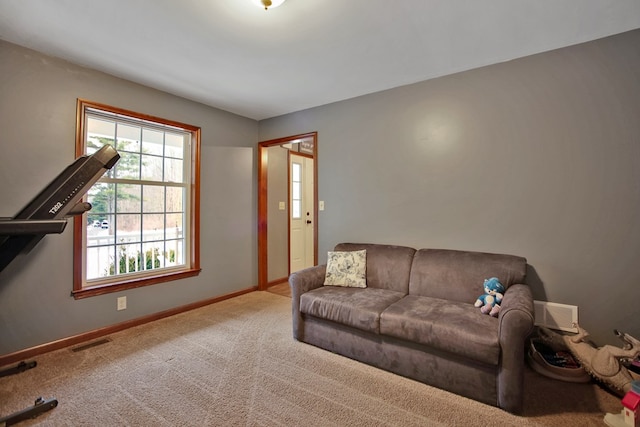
pixel 489 302
pixel 603 363
pixel 630 414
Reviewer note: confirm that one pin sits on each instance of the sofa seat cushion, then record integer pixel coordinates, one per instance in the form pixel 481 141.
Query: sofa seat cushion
pixel 453 327
pixel 356 307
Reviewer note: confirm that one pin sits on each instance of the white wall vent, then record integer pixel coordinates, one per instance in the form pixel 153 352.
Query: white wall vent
pixel 556 316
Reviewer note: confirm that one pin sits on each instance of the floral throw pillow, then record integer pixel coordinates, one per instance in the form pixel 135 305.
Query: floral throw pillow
pixel 347 269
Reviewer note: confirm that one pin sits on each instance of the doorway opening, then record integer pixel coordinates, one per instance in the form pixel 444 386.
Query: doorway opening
pixel 287 207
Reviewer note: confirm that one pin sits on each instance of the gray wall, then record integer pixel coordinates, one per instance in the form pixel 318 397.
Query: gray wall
pixel 277 220
pixel 538 157
pixel 37 118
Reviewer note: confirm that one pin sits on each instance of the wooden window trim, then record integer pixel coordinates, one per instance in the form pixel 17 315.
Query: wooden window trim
pixel 120 284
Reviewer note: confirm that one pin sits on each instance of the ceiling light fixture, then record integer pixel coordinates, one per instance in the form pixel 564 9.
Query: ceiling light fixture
pixel 268 3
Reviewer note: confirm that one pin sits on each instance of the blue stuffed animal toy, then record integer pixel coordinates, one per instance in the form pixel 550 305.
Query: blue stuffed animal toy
pixel 489 302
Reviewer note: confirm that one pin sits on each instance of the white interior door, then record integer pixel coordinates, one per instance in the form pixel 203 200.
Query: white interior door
pixel 301 209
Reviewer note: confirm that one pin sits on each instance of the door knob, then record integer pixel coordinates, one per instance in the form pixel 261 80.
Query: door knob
pixel 308 221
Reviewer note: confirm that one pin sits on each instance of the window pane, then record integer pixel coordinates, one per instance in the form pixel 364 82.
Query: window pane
pixel 153 255
pixel 152 142
pixel 128 138
pixel 151 168
pixel 99 236
pixel 129 198
pixel 175 252
pixel 296 211
pixel 128 167
pixel 295 172
pixel 173 170
pixel 296 190
pixel 98 261
pixel 174 145
pixel 128 228
pixel 102 197
pixel 99 133
pixel 175 199
pixel 153 227
pixel 153 199
pixel 93 222
pixel 174 226
pixel 129 259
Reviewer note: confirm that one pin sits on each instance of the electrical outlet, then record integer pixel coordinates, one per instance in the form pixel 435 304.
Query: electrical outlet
pixel 122 303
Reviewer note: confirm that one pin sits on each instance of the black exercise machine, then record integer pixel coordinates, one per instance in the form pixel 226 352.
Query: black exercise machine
pixel 47 213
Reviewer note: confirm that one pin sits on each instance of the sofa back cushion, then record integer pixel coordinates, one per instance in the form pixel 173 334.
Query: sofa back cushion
pixel 459 275
pixel 388 266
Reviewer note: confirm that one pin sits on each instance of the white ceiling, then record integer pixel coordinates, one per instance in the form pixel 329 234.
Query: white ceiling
pixel 260 64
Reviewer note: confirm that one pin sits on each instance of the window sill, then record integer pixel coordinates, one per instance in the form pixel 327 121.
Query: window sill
pixel 131 284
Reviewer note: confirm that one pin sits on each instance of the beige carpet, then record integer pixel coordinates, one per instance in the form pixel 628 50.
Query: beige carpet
pixel 235 363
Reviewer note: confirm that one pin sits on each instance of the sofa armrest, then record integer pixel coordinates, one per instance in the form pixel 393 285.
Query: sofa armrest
pixel 300 282
pixel 516 321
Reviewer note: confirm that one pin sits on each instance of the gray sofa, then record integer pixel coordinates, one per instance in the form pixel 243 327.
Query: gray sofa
pixel 416 318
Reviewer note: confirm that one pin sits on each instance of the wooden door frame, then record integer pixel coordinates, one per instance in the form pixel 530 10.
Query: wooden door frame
pixel 263 164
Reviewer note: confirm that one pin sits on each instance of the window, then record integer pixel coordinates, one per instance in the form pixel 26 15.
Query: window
pixel 143 227
pixel 296 190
